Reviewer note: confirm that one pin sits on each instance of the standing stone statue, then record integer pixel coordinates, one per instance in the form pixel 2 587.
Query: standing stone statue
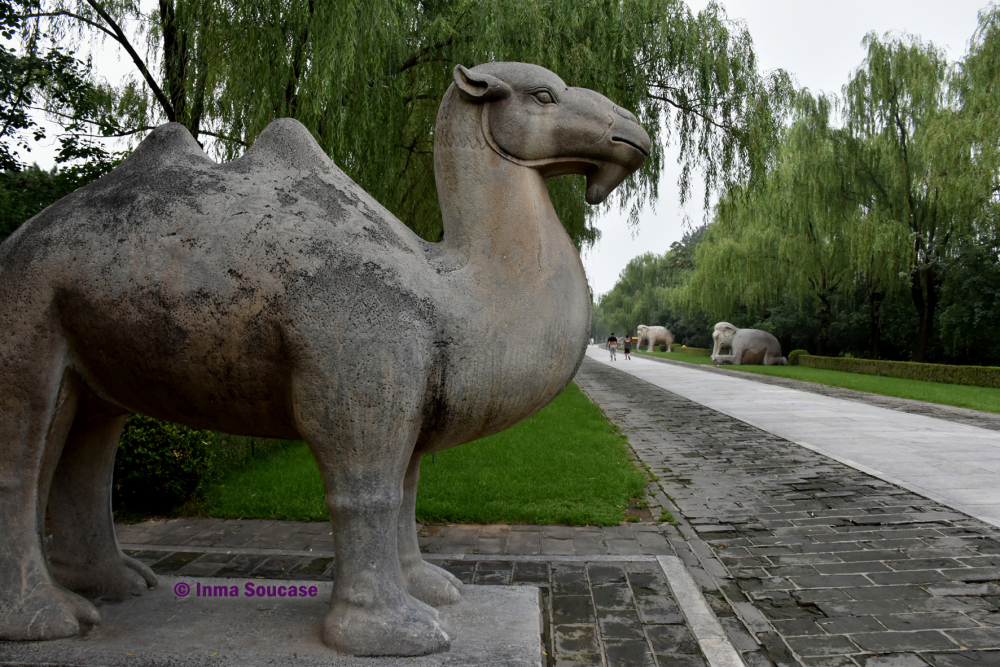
pixel 747 346
pixel 655 336
pixel 235 297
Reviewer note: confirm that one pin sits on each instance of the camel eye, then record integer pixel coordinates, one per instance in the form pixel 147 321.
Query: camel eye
pixel 543 97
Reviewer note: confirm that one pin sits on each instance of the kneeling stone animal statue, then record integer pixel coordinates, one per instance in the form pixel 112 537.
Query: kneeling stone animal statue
pixel 746 346
pixel 236 297
pixel 655 336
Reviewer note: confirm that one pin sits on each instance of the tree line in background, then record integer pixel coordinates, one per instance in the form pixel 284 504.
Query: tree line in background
pixel 366 79
pixel 875 231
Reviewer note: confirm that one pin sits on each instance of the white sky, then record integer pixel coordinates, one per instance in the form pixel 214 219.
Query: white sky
pixel 819 43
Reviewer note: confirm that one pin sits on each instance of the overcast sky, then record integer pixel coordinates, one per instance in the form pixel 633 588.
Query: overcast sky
pixel 819 43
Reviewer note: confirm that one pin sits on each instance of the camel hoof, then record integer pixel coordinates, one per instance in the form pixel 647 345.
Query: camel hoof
pixel 433 585
pixel 142 570
pixel 399 631
pixel 45 614
pixel 110 580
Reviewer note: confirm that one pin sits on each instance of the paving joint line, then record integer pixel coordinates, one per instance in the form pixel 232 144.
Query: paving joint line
pixel 516 558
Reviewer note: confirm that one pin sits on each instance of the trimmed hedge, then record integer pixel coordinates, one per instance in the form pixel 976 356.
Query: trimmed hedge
pixel 159 465
pixel 977 376
pixel 793 356
pixel 697 351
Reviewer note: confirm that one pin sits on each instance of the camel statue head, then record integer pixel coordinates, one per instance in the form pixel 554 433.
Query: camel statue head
pixel 531 117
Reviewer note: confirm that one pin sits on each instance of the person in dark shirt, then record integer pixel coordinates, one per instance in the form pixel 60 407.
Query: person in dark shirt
pixel 612 345
pixel 627 346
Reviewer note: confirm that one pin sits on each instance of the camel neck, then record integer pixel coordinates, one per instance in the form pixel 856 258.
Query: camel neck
pixel 492 209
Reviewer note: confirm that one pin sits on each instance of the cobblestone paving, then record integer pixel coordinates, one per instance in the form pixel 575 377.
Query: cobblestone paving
pixel 962 415
pixel 823 564
pixel 619 614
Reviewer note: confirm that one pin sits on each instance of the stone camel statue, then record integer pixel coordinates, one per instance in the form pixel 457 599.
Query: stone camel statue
pixel 655 336
pixel 237 297
pixel 746 346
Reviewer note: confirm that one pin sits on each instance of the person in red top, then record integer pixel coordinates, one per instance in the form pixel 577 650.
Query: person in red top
pixel 612 345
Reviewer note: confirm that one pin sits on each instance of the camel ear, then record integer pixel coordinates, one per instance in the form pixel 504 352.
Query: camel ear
pixel 479 86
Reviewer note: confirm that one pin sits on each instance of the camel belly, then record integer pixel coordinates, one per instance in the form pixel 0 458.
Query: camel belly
pixel 193 363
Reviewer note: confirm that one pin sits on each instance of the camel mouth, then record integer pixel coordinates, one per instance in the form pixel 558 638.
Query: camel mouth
pixel 623 140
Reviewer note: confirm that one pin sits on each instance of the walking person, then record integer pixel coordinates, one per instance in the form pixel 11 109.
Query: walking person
pixel 627 346
pixel 612 345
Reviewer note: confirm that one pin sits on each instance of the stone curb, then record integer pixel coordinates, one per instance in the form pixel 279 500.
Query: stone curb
pixel 704 625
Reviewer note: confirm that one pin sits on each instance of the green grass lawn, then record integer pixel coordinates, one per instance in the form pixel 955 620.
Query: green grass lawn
pixel 565 465
pixel 674 356
pixel 959 395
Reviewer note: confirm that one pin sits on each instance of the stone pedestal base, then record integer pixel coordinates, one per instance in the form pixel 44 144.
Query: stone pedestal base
pixel 494 625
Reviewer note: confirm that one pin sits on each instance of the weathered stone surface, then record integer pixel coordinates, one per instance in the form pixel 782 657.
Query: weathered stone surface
pixel 241 297
pixel 491 626
pixel 655 336
pixel 747 346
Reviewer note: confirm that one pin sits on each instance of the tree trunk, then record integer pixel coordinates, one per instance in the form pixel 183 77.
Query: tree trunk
pixel 825 316
pixel 924 290
pixel 175 57
pixel 875 298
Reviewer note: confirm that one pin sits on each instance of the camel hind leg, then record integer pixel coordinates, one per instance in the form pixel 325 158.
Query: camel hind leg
pixel 37 409
pixel 85 554
pixel 425 581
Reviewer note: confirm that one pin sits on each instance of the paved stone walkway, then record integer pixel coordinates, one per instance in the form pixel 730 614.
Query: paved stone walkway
pixel 804 560
pixel 953 463
pixel 607 601
pixel 823 564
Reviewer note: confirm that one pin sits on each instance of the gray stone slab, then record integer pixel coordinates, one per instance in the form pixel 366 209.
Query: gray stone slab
pixel 493 625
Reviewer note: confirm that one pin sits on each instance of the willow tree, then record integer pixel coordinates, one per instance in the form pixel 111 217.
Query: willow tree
pixel 366 79
pixel 919 172
pixel 642 292
pixel 789 237
pixel 639 295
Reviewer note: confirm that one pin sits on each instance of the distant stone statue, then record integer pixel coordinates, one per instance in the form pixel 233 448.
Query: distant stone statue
pixel 655 336
pixel 236 297
pixel 747 346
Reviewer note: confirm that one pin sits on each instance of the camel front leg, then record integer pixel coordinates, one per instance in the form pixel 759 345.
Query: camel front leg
pixel 363 442
pixel 424 581
pixel 371 612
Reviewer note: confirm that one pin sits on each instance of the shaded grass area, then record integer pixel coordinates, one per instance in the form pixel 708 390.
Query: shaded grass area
pixel 958 395
pixel 565 465
pixel 675 356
